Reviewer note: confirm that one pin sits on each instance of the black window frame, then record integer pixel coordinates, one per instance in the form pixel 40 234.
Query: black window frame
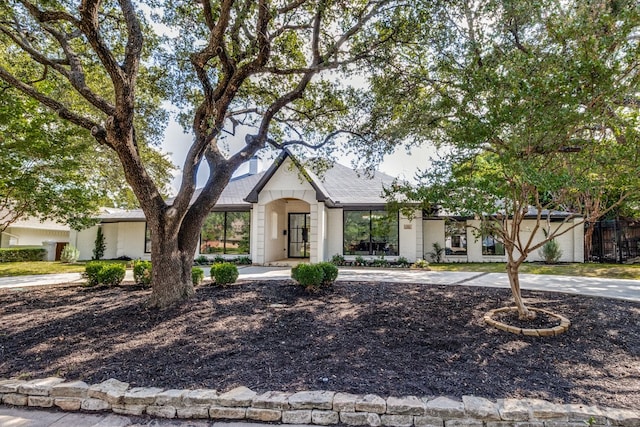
pixel 224 235
pixel 370 243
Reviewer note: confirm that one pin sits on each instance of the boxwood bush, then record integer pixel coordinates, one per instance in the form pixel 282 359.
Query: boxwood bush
pixel 142 272
pixel 101 273
pixel 197 275
pixel 224 273
pixel 314 276
pixel 329 273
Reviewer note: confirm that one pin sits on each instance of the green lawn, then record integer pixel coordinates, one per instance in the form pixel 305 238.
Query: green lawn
pixel 8 269
pixel 612 271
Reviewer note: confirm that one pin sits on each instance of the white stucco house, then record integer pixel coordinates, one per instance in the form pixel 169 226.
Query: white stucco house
pixel 287 212
pixel 30 232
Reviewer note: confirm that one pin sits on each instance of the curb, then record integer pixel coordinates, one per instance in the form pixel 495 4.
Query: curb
pixel 306 407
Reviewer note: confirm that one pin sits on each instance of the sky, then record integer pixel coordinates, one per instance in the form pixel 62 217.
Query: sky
pixel 400 164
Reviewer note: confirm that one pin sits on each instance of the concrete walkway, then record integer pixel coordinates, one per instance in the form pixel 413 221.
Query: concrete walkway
pixel 610 288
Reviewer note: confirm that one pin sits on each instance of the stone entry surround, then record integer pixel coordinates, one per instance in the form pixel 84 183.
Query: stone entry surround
pixel 307 407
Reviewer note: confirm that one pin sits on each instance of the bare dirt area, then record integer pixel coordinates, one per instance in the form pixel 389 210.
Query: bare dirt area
pixel 382 338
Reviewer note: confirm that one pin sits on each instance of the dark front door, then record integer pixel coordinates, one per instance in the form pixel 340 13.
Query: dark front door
pixel 299 224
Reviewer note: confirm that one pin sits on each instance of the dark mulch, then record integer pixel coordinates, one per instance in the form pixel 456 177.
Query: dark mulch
pixel 381 338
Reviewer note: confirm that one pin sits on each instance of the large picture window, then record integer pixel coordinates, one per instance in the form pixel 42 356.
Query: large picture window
pixel 455 238
pixel 225 233
pixel 491 245
pixel 370 233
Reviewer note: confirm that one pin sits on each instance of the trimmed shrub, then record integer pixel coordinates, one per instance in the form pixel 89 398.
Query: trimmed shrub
pixel 111 274
pixel 197 275
pixel 308 275
pixel 142 272
pixel 101 273
pixel 329 273
pixel 91 271
pixel 224 273
pixel 551 252
pixel 69 254
pixel 219 259
pixel 420 263
pixel 22 254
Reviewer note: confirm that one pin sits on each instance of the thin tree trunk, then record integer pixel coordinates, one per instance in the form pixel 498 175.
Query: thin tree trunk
pixel 514 281
pixel 588 240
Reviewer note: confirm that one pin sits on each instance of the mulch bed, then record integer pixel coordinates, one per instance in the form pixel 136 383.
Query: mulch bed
pixel 382 338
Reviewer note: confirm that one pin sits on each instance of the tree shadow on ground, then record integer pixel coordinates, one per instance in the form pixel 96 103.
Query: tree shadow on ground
pixel 382 338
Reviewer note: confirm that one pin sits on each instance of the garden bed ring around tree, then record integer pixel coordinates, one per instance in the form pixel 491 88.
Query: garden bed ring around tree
pixel 535 332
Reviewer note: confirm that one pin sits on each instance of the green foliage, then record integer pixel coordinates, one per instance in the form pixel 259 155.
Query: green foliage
pixel 403 262
pixel 420 263
pixel 202 260
pixel 243 260
pixel 437 255
pixel 218 259
pixel 310 276
pixel 551 252
pixel 22 254
pixel 197 275
pixel 329 273
pixel 102 273
pixel 69 254
pixel 111 274
pixel 142 272
pixel 224 273
pixel 359 260
pixel 337 259
pixel 380 262
pixel 99 245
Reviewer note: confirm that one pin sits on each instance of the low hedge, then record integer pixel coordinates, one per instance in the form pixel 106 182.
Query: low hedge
pixel 101 273
pixel 142 272
pixel 314 276
pixel 22 254
pixel 224 273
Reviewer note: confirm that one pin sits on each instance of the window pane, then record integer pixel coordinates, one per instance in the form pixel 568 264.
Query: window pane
pixel 238 233
pixel 212 234
pixel 147 239
pixel 356 232
pixel 455 238
pixel 491 245
pixel 384 233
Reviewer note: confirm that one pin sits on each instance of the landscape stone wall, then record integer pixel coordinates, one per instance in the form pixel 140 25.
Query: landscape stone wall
pixel 307 407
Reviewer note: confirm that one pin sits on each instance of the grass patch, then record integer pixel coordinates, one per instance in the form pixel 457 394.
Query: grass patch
pixel 610 271
pixel 8 269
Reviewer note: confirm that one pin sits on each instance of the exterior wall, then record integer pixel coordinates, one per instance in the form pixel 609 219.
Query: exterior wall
pixel 335 232
pixel 408 238
pixel 120 238
pixel 130 241
pixel 571 243
pixel 84 240
pixel 22 236
pixel 432 232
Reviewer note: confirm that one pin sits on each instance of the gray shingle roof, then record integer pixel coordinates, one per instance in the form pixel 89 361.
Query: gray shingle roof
pixel 339 186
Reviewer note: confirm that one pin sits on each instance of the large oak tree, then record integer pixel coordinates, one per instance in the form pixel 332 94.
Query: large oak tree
pixel 274 66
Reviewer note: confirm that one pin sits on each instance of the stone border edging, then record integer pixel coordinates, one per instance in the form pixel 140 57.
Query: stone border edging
pixel 545 332
pixel 307 407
